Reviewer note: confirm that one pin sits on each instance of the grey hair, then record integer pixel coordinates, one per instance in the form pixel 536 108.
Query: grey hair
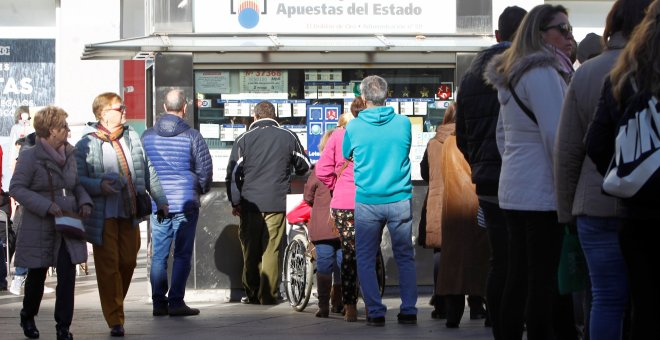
pixel 374 89
pixel 175 100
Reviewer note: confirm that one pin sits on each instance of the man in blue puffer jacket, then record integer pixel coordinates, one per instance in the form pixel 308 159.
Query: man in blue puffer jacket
pixel 183 164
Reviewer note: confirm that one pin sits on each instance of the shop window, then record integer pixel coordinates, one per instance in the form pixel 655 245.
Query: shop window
pixel 309 102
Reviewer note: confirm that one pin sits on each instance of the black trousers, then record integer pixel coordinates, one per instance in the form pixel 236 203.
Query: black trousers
pixel 64 293
pixel 531 289
pixel 499 241
pixel 639 244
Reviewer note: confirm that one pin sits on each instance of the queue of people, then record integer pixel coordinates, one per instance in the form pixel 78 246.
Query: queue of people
pixel 528 149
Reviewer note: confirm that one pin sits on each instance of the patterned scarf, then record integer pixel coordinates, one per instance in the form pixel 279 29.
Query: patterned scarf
pixel 113 137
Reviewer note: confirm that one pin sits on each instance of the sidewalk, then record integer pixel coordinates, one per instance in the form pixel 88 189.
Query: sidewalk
pixel 224 320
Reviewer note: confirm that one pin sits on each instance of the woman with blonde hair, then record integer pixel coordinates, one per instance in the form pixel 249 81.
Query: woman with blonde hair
pixel 46 184
pixel 531 78
pixel 632 86
pixel 337 174
pixel 115 170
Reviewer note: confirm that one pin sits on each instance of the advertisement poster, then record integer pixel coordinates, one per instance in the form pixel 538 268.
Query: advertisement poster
pixel 212 82
pixel 320 118
pixel 271 82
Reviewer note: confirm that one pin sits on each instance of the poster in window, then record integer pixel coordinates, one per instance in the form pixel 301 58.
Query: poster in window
pixel 271 83
pixel 212 82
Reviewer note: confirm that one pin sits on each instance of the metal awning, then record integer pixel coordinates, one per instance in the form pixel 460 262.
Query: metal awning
pixel 144 47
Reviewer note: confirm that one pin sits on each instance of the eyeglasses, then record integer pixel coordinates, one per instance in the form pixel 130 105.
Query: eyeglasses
pixel 121 108
pixel 563 28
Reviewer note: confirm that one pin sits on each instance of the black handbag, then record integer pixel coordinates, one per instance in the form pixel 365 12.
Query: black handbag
pixel 69 224
pixel 143 205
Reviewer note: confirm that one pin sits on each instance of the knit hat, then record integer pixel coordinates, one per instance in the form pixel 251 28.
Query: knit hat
pixel 589 47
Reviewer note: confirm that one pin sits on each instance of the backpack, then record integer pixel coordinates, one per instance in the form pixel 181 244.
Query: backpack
pixel 633 172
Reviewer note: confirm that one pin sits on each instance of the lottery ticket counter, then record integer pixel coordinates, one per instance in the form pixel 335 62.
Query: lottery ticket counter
pixel 311 79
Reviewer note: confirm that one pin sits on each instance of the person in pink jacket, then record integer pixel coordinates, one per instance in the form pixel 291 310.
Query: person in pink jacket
pixel 337 173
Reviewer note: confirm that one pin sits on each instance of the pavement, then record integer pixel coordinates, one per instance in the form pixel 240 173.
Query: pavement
pixel 227 320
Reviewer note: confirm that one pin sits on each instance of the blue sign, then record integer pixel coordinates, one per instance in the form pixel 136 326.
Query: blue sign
pixel 320 118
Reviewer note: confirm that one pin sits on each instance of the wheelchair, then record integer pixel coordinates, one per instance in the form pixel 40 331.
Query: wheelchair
pixel 299 267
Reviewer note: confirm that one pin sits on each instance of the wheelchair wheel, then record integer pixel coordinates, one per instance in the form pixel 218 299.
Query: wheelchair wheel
pixel 298 273
pixel 380 272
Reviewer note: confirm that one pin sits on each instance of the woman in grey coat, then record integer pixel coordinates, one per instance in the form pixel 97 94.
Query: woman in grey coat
pixel 46 184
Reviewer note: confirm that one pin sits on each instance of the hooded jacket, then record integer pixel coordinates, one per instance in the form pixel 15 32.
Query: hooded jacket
pixel 476 121
pixel 260 165
pixel 182 161
pixel 89 158
pixel 526 178
pixel 379 141
pixel 329 171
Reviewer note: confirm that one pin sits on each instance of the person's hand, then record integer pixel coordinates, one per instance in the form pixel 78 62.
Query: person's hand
pixel 165 209
pixel 55 210
pixel 236 211
pixel 107 187
pixel 85 210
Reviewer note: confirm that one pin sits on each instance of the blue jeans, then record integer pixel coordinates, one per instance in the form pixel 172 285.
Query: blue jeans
pixel 179 227
pixel 599 237
pixel 20 271
pixel 370 219
pixel 328 256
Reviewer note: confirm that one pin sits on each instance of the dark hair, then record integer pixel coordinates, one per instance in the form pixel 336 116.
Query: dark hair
pixel 624 17
pixel 509 20
pixel 264 109
pixel 20 110
pixel 358 105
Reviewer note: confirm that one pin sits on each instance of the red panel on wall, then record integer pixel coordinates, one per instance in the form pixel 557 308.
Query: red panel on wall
pixel 134 89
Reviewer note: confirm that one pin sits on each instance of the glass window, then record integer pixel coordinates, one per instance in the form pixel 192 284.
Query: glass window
pixel 171 16
pixel 309 101
pixel 474 16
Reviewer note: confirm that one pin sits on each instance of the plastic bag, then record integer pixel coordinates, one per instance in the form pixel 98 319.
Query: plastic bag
pixel 572 272
pixel 300 214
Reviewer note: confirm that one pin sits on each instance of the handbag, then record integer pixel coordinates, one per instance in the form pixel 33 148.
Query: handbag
pixel 69 224
pixel 143 205
pixel 572 273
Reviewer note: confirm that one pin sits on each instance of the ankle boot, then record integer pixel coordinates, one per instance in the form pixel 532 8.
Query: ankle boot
pixel 351 313
pixel 324 282
pixel 63 333
pixel 335 299
pixel 477 310
pixel 29 327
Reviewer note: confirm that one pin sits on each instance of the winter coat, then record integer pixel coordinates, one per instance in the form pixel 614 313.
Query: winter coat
pixel 260 165
pixel 578 183
pixel 431 169
pixel 382 163
pixel 477 110
pixel 89 156
pixel 182 161
pixel 317 195
pixel 38 244
pixel 330 165
pixel 526 179
pixel 465 248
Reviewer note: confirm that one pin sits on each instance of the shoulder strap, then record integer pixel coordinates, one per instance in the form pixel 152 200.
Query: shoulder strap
pixel 50 184
pixel 525 109
pixel 343 167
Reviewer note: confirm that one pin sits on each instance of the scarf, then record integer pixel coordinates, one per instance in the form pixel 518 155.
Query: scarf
pixel 113 137
pixel 57 155
pixel 564 61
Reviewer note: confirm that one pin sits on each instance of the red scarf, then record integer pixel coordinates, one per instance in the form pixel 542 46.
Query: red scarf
pixel 113 137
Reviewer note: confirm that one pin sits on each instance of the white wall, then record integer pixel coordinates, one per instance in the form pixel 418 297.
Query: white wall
pixel 83 22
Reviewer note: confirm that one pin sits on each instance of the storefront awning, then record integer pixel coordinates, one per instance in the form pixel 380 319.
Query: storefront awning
pixel 144 47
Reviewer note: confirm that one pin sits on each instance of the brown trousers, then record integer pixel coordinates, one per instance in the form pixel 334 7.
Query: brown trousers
pixel 115 262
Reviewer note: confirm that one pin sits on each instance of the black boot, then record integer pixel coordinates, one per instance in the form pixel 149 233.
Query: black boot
pixel 439 308
pixel 29 327
pixel 477 307
pixel 63 333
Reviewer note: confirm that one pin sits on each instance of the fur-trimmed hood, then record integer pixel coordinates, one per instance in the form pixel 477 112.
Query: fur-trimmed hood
pixel 537 59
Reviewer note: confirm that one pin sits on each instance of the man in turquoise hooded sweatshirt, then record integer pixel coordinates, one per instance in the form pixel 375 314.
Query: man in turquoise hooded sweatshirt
pixel 379 142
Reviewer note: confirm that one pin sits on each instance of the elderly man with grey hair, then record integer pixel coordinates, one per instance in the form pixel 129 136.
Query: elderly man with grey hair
pixel 183 164
pixel 378 141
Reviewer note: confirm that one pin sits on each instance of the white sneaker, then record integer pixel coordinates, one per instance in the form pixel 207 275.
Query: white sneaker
pixel 17 284
pixel 48 290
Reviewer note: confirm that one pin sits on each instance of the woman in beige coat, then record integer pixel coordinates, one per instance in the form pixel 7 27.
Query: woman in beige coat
pixel 46 184
pixel 451 226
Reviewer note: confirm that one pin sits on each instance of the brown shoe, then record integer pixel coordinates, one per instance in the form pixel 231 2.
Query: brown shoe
pixel 351 313
pixel 323 285
pixel 335 299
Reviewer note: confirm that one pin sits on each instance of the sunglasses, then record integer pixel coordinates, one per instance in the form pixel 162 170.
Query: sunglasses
pixel 120 108
pixel 564 29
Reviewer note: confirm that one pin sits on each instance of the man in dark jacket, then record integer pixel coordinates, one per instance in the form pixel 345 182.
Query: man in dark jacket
pixel 476 121
pixel 258 179
pixel 183 164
